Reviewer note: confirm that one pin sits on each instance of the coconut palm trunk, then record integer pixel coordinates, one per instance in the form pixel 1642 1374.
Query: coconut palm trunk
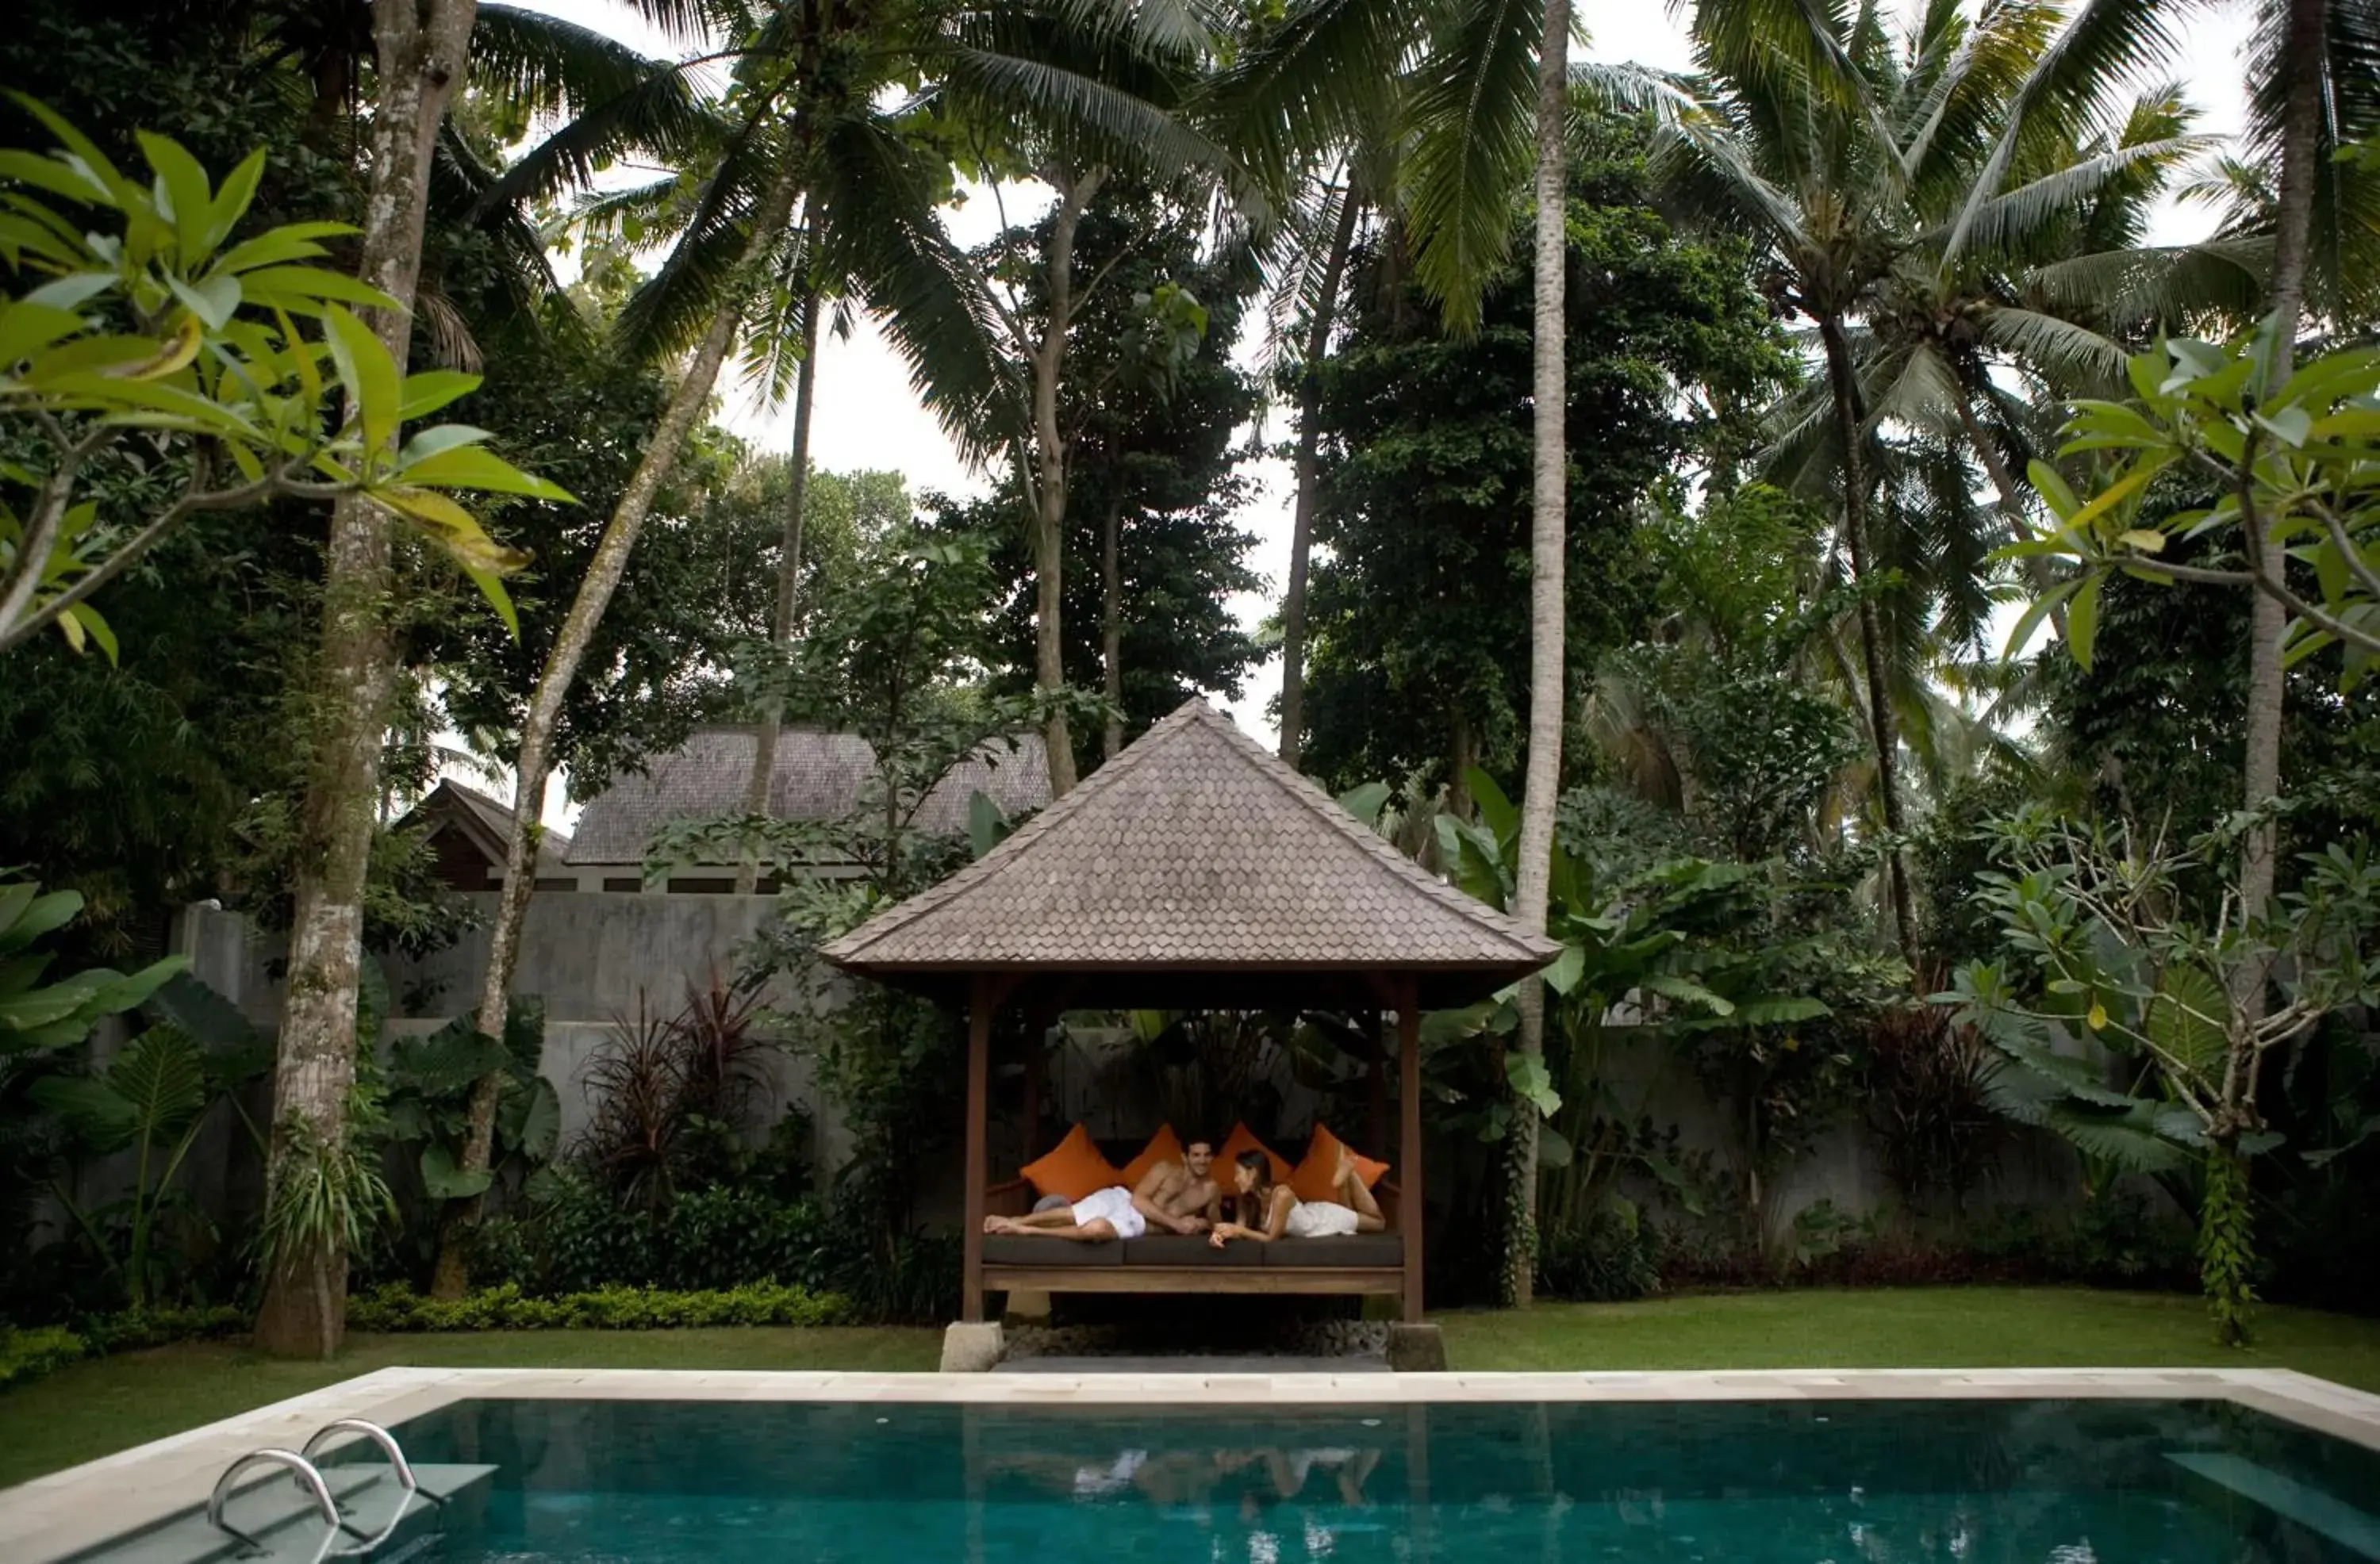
pixel 2304 58
pixel 1309 437
pixel 1047 469
pixel 420 47
pixel 535 761
pixel 1550 484
pixel 1843 383
pixel 789 588
pixel 1111 628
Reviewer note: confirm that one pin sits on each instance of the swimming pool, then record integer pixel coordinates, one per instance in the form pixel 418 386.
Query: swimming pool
pixel 1975 1482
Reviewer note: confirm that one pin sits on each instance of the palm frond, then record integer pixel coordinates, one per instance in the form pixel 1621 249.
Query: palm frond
pixel 1473 108
pixel 2072 357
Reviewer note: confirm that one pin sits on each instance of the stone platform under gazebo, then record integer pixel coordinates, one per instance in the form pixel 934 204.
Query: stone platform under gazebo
pixel 1195 871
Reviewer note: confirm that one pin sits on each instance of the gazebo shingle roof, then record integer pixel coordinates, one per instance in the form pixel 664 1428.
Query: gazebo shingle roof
pixel 1194 849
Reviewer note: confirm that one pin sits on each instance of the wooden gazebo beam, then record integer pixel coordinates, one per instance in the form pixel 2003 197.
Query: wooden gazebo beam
pixel 1409 1201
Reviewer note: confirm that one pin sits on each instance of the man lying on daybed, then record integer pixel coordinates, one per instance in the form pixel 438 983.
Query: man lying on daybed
pixel 1177 1196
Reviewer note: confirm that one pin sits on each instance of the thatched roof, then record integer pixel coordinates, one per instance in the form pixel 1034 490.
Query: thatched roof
pixel 1195 853
pixel 818 776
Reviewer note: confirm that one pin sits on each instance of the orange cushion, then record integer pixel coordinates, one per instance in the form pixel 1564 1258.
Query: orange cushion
pixel 1241 1139
pixel 1072 1169
pixel 1311 1181
pixel 1164 1147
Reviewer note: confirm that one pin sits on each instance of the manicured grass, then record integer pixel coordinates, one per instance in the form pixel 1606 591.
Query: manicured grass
pixel 93 1409
pixel 1910 1328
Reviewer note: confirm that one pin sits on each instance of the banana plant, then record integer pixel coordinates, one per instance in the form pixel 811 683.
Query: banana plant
pixel 153 1100
pixel 1666 954
pixel 135 325
pixel 430 1083
pixel 37 1017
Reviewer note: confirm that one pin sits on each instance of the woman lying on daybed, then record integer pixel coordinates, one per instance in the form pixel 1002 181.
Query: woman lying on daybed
pixel 1263 1210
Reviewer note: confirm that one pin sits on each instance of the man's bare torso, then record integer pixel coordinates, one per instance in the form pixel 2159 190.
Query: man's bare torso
pixel 1170 1188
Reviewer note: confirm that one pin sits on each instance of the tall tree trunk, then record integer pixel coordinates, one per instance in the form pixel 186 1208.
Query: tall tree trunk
pixel 1309 435
pixel 420 47
pixel 2305 62
pixel 1988 451
pixel 789 586
pixel 1549 486
pixel 1882 728
pixel 1111 628
pixel 535 762
pixel 1048 471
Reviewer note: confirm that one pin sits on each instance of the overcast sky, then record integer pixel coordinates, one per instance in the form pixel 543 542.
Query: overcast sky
pixel 867 416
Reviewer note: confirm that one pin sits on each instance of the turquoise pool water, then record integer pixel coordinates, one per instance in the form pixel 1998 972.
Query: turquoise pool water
pixel 1812 1483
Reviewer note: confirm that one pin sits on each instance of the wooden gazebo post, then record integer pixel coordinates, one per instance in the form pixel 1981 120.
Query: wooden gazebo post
pixel 1409 1202
pixel 980 1000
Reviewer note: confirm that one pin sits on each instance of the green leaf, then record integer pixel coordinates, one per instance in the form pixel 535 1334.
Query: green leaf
pixel 2083 621
pixel 164 1075
pixel 448 1062
pixel 442 1180
pixel 309 290
pixel 429 390
pixel 2187 1022
pixel 475 467
pixel 542 1124
pixel 1365 801
pixel 231 201
pixel 1566 969
pixel 201 1013
pixel 1526 1073
pixel 26 914
pixel 368 374
pixel 96 1113
pixel 1496 811
pixel 183 197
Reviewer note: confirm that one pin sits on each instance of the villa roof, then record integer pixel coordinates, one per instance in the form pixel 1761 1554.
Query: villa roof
pixel 487 824
pixel 818 776
pixel 1195 852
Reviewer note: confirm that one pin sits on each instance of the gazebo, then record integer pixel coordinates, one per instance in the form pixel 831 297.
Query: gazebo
pixel 1195 871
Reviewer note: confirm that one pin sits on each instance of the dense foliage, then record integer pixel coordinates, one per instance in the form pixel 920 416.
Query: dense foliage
pixel 1865 363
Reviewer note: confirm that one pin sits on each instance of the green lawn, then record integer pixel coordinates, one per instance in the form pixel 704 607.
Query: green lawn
pixel 92 1408
pixel 1912 1327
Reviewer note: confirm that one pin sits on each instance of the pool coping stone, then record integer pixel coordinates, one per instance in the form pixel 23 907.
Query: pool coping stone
pixel 53 1517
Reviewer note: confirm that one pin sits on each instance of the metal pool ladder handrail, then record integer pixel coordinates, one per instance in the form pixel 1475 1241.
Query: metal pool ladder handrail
pixel 309 1478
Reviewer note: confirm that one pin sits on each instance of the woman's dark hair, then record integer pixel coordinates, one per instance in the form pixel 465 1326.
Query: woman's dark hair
pixel 1255 1207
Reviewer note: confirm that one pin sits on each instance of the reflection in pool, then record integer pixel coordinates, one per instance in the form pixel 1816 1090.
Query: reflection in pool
pixel 2088 1481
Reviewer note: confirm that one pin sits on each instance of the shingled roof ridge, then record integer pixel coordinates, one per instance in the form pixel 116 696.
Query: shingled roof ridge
pixel 1310 794
pixel 906 912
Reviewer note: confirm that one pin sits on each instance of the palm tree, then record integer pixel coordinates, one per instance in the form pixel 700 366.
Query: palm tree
pixel 1817 134
pixel 835 147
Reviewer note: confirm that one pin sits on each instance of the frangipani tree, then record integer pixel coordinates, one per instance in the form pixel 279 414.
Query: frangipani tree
pixel 2107 963
pixel 2292 457
pixel 144 330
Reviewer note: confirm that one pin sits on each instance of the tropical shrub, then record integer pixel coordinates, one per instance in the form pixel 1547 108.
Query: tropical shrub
pixel 1612 1256
pixel 396 1308
pixel 29 1354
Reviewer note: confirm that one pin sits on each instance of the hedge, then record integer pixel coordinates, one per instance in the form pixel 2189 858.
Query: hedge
pixel 398 1308
pixel 28 1355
